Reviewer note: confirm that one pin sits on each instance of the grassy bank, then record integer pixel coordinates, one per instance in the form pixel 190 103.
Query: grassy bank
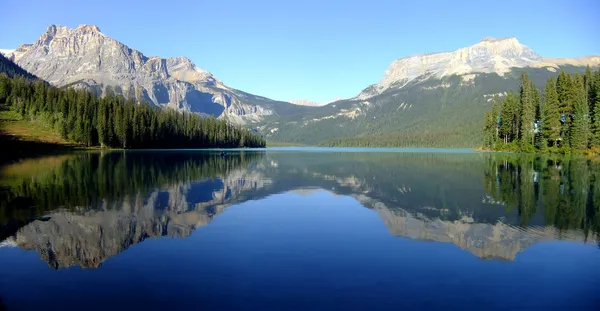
pixel 21 138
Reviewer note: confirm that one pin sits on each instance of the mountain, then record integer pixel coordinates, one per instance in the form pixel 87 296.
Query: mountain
pixel 426 100
pixel 85 57
pixel 433 100
pixel 491 55
pixel 306 102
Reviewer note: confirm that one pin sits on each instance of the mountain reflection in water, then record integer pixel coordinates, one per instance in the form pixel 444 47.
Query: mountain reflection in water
pixel 82 209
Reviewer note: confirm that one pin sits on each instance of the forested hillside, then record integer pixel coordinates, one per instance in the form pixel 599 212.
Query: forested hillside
pixel 11 69
pixel 114 122
pixel 442 112
pixel 564 117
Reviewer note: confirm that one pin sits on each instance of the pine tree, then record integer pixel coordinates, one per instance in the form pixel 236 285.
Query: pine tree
pixel 508 116
pixel 588 80
pixel 596 111
pixel 580 131
pixel 495 118
pixel 551 127
pixel 4 88
pixel 527 112
pixel 540 142
pixel 488 130
pixel 564 89
pixel 102 124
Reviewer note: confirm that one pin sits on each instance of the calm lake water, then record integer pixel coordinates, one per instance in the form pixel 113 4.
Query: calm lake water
pixel 300 229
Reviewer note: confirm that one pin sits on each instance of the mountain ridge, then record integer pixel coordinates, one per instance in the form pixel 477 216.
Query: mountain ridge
pixel 490 55
pixel 85 57
pixel 426 100
pixel 429 99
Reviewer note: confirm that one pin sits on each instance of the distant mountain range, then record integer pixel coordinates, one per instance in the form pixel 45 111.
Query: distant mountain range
pixel 427 100
pixel 306 102
pixel 422 100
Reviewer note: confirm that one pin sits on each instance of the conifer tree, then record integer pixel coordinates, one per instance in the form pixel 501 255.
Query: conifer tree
pixel 580 131
pixel 527 112
pixel 596 111
pixel 495 118
pixel 540 142
pixel 508 114
pixel 551 126
pixel 564 89
pixel 489 129
pixel 588 80
pixel 4 88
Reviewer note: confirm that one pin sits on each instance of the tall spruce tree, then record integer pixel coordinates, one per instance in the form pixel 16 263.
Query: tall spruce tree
pixel 489 130
pixel 588 80
pixel 491 127
pixel 595 141
pixel 508 115
pixel 564 89
pixel 495 119
pixel 551 127
pixel 540 142
pixel 4 88
pixel 527 117
pixel 580 129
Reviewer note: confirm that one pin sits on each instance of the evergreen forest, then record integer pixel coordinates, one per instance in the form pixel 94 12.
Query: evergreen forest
pixel 563 118
pixel 115 122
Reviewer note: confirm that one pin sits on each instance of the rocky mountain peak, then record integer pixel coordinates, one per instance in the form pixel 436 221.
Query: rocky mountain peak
pixel 88 28
pixel 492 39
pixel 85 57
pixel 183 69
pixel 306 102
pixel 490 55
pixel 504 47
pixel 59 30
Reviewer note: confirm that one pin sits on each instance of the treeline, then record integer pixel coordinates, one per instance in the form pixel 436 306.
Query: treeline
pixel 398 140
pixel 564 118
pixel 565 191
pixel 11 69
pixel 114 122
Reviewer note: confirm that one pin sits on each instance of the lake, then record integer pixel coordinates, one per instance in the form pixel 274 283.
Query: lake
pixel 300 229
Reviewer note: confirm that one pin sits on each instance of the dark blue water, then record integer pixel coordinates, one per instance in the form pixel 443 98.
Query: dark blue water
pixel 300 231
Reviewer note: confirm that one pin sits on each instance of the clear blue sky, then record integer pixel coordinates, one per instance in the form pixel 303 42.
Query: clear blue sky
pixel 310 49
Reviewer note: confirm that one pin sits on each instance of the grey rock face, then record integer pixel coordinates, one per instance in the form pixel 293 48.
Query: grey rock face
pixel 85 57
